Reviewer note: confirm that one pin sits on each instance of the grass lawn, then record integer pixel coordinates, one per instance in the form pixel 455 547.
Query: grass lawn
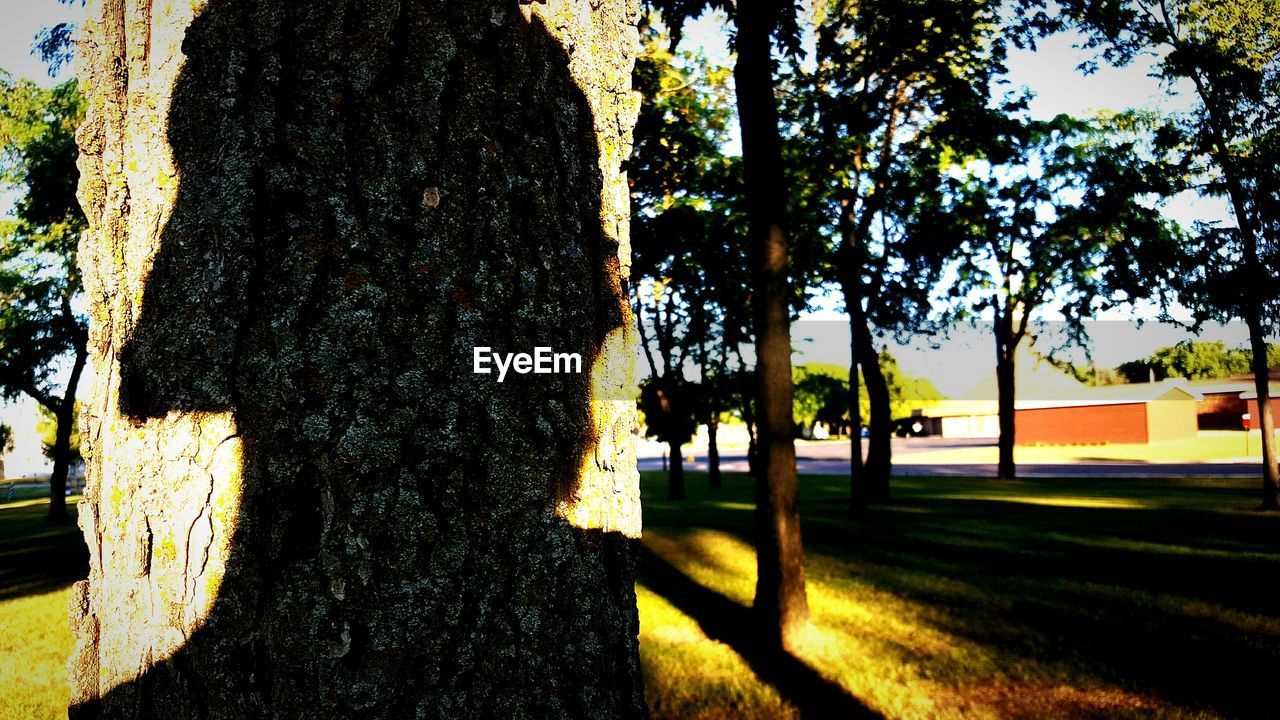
pixel 964 598
pixel 977 599
pixel 38 563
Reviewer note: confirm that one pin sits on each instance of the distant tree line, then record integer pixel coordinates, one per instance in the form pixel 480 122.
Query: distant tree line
pixel 1194 360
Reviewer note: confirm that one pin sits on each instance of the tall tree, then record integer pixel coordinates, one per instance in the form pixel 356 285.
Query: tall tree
pixel 1052 225
pixel 301 501
pixel 780 591
pixel 43 335
pixel 895 86
pixel 689 261
pixel 1229 53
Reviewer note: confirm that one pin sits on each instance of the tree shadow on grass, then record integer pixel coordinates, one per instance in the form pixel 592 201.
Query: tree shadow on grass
pixel 725 621
pixel 36 557
pixel 1163 594
pixel 1142 599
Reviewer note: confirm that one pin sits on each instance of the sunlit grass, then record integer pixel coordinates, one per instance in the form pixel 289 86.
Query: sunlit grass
pixel 984 599
pixel 38 562
pixel 35 643
pixel 1073 598
pixel 689 676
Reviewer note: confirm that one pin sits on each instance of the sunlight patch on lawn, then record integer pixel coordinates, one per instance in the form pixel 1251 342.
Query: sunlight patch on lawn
pixel 902 656
pixel 1064 501
pixel 35 642
pixel 688 675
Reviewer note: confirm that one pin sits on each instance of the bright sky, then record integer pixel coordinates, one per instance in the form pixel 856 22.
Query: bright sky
pixel 1050 73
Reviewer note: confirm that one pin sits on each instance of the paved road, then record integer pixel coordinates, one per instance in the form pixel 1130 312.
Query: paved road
pixel 833 458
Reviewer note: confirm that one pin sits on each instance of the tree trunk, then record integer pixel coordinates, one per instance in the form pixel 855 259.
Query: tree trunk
pixel 675 473
pixel 714 481
pixel 1006 393
pixel 301 501
pixel 712 387
pixel 61 464
pixel 858 496
pixel 780 593
pixel 64 416
pixel 1262 385
pixel 878 467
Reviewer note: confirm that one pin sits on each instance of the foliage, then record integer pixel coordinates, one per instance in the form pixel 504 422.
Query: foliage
pixel 1059 221
pixel 56 44
pixel 1227 145
pixel 898 90
pixel 688 256
pixel 39 279
pixel 822 392
pixel 785 16
pixel 672 408
pixel 48 427
pixel 821 395
pixel 1194 359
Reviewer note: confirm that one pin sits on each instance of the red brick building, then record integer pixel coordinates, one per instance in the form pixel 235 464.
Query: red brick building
pixel 1145 413
pixel 1252 408
pixel 1140 413
pixel 1223 401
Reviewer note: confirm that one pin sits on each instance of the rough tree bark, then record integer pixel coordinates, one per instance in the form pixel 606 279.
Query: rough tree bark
pixel 780 593
pixel 301 501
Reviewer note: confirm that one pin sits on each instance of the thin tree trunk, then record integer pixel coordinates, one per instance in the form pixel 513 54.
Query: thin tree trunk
pixel 714 481
pixel 301 502
pixel 1262 385
pixel 61 464
pixel 879 465
pixel 675 473
pixel 858 495
pixel 1006 393
pixel 711 386
pixel 64 418
pixel 780 592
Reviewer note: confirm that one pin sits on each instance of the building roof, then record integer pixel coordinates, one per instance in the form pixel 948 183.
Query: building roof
pixel 1034 378
pixel 1084 396
pixel 1235 383
pixel 1121 395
